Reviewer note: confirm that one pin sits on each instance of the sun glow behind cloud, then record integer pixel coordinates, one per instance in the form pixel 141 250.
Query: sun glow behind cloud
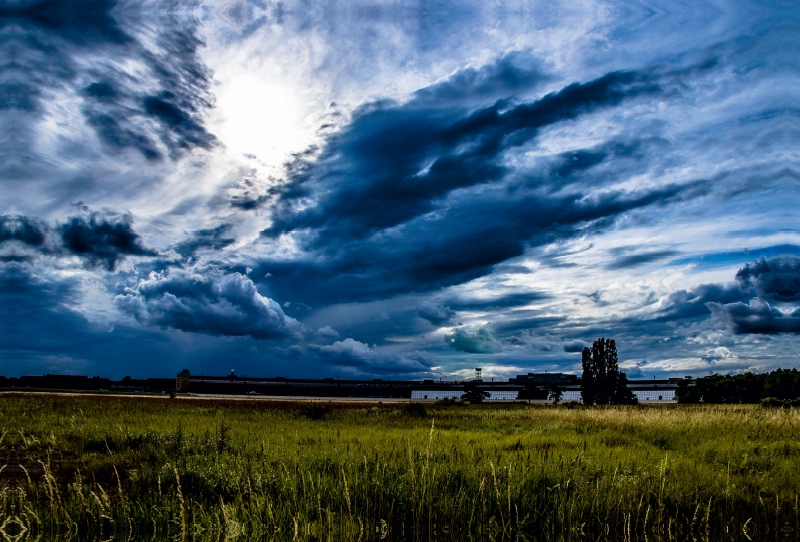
pixel 263 117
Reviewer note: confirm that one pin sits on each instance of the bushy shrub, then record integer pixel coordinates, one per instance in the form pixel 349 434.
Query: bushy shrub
pixel 415 409
pixel 473 394
pixel 775 402
pixel 314 412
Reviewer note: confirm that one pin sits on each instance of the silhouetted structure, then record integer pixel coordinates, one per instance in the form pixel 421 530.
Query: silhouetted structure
pixel 282 386
pixel 182 381
pixel 547 378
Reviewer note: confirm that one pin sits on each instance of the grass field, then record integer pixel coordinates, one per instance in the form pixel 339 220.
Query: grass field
pixel 100 467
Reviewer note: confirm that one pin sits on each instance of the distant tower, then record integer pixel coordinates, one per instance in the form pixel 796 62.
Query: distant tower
pixel 182 381
pixel 478 373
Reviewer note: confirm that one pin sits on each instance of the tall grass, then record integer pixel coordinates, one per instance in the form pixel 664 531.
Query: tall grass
pixel 98 467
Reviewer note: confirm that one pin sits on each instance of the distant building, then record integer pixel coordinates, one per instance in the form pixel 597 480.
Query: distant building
pixel 182 381
pixel 456 394
pixel 547 378
pixel 283 386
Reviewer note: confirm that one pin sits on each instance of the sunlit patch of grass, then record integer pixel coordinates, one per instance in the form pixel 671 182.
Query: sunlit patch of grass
pixel 97 467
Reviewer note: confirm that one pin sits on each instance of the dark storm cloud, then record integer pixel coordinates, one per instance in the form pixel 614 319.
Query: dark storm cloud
pixel 176 103
pixel 775 279
pixel 464 242
pixel 532 341
pixel 635 260
pixel 81 22
pixel 81 44
pixel 38 332
pixel 435 314
pixel 24 229
pixel 117 133
pixel 102 240
pixel 249 193
pixel 691 304
pixel 736 257
pixel 248 203
pixel 207 300
pixel 575 346
pixel 358 356
pixel 37 40
pixel 479 341
pixel 392 163
pixel 33 307
pixel 416 197
pixel 756 317
pixel 579 161
pixel 744 306
pixel 513 325
pixel 513 74
pixel 207 239
pixel 506 301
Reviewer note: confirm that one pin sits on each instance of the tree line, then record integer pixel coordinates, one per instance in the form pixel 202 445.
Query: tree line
pixel 780 387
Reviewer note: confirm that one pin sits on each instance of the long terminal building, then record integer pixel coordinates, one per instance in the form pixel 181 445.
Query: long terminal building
pixel 512 389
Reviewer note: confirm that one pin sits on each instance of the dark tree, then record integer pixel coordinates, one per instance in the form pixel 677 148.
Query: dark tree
pixel 602 383
pixel 588 377
pixel 472 394
pixel 555 392
pixel 717 388
pixel 783 384
pixel 530 390
pixel 623 395
pixel 687 392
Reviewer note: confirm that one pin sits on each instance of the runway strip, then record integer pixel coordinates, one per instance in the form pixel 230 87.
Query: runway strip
pixel 278 398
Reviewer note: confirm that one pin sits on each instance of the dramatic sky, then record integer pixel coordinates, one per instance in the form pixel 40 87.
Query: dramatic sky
pixel 402 189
